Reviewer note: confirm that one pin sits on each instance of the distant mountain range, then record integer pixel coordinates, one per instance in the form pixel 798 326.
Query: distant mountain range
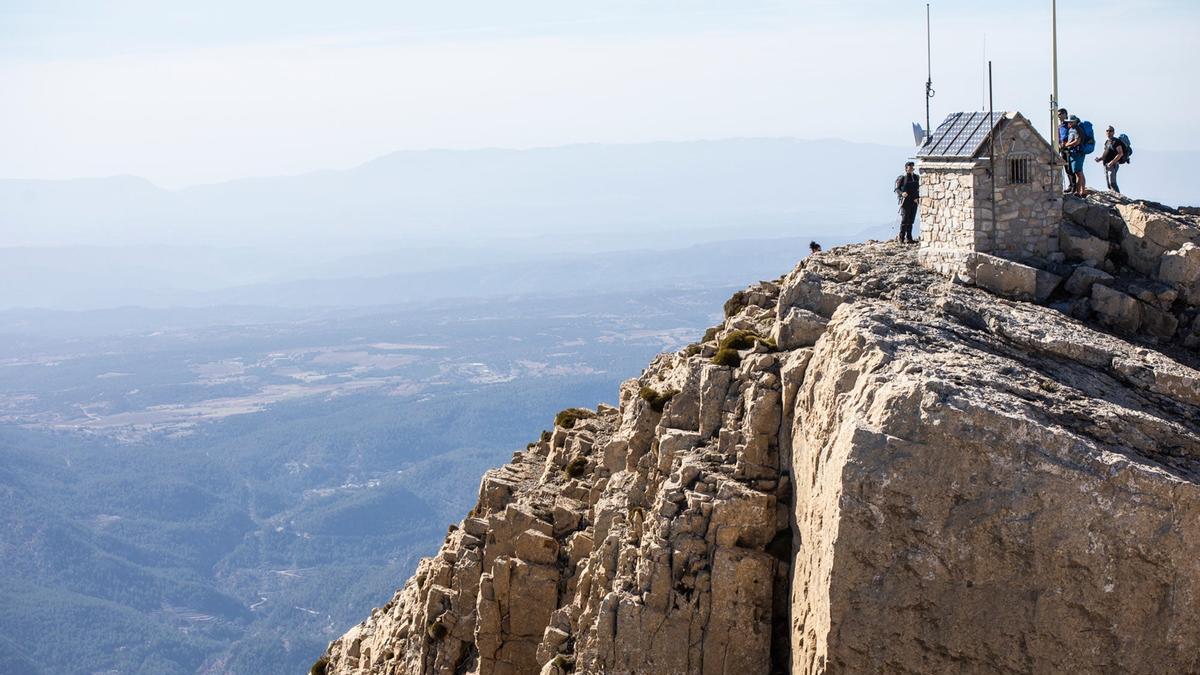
pixel 454 223
pixel 432 196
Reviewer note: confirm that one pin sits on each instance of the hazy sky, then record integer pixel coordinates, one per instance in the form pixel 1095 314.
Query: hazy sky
pixel 185 93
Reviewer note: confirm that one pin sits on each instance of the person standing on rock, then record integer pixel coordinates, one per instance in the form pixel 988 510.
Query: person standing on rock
pixel 1064 131
pixel 1075 154
pixel 1114 153
pixel 908 191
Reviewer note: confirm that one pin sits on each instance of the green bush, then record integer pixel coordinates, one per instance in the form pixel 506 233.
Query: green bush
pixel 657 399
pixel 735 304
pixel 567 418
pixel 320 666
pixel 738 339
pixel 727 357
pixel 575 467
pixel 744 339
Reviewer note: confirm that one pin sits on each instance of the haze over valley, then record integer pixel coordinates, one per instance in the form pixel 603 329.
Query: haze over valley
pixel 224 491
pixel 280 281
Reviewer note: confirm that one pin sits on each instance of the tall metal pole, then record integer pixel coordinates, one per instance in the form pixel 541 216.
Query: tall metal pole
pixel 992 149
pixel 929 73
pixel 1054 74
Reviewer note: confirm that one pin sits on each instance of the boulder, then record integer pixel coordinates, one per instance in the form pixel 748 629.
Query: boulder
pixel 1116 309
pixel 1157 322
pixel 714 385
pixel 1079 244
pixel 1081 280
pixel 1045 285
pixel 1004 277
pixel 800 328
pixel 1152 292
pixel 537 548
pixel 1075 209
pixel 1150 232
pixel 1191 338
pixel 1103 222
pixel 1100 219
pixel 1181 269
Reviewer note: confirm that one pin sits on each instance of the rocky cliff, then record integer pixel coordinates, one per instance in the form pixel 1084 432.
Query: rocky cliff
pixel 865 468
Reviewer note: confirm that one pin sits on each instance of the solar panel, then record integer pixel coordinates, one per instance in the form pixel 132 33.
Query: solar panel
pixel 960 135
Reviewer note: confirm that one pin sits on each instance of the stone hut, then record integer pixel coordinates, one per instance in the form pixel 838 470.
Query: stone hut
pixel 959 196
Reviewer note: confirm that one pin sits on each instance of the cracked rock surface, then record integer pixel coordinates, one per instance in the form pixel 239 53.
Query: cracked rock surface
pixel 889 473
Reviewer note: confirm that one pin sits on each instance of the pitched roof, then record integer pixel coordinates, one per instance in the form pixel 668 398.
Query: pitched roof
pixel 961 135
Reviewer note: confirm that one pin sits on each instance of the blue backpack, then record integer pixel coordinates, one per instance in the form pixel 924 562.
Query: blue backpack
pixel 1089 138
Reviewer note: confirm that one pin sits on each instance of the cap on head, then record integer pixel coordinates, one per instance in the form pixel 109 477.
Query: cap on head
pixel 1062 111
pixel 1073 119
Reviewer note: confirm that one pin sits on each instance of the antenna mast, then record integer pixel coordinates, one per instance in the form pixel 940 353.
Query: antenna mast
pixel 929 74
pixel 1054 74
pixel 992 147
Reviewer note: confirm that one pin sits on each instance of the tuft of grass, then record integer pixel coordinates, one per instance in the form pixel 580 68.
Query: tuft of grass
pixel 567 418
pixel 575 467
pixel 437 630
pixel 727 357
pixel 692 349
pixel 320 667
pixel 657 399
pixel 709 335
pixel 745 339
pixel 735 304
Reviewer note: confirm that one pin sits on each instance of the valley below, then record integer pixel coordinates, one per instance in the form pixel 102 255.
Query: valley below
pixel 200 491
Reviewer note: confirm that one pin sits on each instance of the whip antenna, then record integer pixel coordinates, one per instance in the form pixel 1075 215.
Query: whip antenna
pixel 928 73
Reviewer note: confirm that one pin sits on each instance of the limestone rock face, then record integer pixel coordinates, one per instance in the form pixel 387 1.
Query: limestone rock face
pixel 1150 233
pixel 1181 268
pixel 1146 255
pixel 913 475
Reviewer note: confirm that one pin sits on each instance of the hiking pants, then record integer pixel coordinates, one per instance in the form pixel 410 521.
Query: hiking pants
pixel 1067 170
pixel 1110 176
pixel 908 214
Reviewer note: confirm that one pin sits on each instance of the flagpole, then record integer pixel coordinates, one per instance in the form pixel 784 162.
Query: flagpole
pixel 1054 74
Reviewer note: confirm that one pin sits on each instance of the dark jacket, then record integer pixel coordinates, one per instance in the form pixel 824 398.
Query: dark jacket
pixel 910 184
pixel 1110 149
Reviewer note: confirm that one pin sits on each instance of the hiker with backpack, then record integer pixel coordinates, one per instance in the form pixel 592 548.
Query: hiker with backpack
pixel 908 192
pixel 1063 131
pixel 1116 153
pixel 1080 143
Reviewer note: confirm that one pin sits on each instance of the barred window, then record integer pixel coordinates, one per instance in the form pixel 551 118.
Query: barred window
pixel 1019 170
